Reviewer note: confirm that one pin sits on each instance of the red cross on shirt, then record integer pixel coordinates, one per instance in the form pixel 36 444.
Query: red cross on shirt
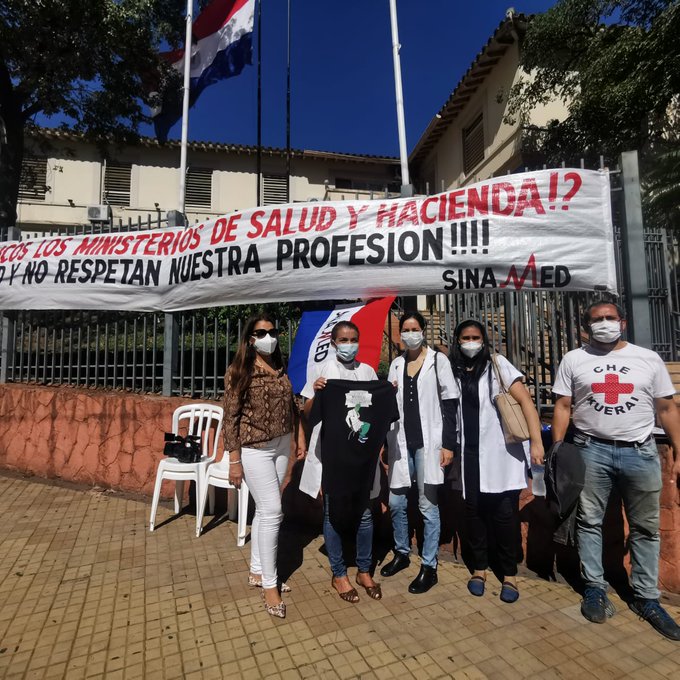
pixel 611 388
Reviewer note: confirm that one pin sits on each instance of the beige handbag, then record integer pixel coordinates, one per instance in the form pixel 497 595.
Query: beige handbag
pixel 515 428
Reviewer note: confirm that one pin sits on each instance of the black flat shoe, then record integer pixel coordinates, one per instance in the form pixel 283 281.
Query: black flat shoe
pixel 399 562
pixel 427 577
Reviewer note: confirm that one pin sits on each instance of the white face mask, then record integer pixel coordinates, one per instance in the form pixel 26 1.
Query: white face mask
pixel 412 339
pixel 346 351
pixel 606 331
pixel 265 345
pixel 471 349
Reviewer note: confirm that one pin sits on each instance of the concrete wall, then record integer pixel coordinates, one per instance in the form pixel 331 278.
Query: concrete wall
pixel 75 175
pixel 115 440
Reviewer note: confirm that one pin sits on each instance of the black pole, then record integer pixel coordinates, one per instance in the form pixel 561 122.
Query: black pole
pixel 259 102
pixel 288 111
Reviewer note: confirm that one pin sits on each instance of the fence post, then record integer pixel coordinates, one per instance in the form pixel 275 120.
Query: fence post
pixel 170 347
pixel 509 317
pixel 7 323
pixel 634 260
pixel 7 333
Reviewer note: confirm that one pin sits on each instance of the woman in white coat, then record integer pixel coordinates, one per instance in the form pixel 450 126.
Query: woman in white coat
pixel 420 445
pixel 493 472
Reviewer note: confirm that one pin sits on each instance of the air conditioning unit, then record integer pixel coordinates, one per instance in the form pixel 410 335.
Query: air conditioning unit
pixel 99 213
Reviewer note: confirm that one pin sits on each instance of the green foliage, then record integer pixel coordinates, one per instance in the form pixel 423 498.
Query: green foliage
pixel 90 61
pixel 661 187
pixel 86 58
pixel 615 64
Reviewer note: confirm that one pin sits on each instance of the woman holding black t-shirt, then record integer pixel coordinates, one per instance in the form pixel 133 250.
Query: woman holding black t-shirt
pixel 493 472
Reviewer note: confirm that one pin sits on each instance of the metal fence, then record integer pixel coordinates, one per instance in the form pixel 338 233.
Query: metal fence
pixel 187 353
pixel 533 329
pixel 126 351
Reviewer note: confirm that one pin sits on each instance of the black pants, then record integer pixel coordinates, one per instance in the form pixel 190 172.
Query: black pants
pixel 490 518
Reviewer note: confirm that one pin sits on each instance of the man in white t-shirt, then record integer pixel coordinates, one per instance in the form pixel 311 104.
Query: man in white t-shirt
pixel 617 389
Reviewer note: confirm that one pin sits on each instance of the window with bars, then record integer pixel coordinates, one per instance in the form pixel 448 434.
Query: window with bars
pixel 198 192
pixel 274 189
pixel 473 144
pixel 117 178
pixel 33 179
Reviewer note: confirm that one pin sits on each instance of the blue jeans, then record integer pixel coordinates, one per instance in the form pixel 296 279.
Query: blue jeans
pixel 427 504
pixel 333 540
pixel 635 471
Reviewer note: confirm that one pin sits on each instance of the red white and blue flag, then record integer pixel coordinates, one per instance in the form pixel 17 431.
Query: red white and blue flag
pixel 222 46
pixel 313 339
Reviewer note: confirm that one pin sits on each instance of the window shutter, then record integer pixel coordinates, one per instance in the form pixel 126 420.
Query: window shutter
pixel 198 192
pixel 33 180
pixel 117 184
pixel 274 189
pixel 473 144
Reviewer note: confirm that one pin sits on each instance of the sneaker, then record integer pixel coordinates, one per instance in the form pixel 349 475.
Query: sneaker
pixel 609 608
pixel 594 605
pixel 657 616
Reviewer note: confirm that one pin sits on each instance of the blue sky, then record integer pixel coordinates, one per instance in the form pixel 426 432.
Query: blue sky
pixel 342 83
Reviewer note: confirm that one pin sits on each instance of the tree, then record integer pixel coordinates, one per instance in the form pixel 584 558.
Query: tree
pixel 615 64
pixel 83 60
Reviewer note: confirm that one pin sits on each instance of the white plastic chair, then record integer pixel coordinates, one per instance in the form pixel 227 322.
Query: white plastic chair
pixel 199 419
pixel 217 474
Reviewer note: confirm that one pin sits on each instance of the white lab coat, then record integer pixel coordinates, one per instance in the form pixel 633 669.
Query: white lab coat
pixel 430 418
pixel 310 480
pixel 502 467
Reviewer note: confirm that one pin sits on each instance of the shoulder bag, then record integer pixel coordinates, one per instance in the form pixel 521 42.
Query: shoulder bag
pixel 515 428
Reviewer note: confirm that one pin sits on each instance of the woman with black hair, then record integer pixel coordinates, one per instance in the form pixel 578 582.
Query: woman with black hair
pixel 259 424
pixel 493 472
pixel 420 445
pixel 342 366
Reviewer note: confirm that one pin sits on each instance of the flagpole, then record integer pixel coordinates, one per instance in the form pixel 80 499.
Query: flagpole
pixel 406 188
pixel 259 102
pixel 288 110
pixel 185 106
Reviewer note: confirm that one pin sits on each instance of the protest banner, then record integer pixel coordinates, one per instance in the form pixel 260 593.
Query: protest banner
pixel 549 230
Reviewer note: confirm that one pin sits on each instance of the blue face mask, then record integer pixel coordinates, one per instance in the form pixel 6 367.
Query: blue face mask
pixel 347 351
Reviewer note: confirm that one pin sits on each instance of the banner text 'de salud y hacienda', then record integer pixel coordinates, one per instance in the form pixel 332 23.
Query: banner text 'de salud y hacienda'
pixel 550 229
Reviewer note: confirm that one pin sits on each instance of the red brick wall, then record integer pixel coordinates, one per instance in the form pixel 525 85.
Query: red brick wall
pixel 109 439
pixel 669 567
pixel 115 440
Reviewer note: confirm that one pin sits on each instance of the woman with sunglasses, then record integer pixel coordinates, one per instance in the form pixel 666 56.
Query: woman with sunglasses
pixel 493 472
pixel 259 424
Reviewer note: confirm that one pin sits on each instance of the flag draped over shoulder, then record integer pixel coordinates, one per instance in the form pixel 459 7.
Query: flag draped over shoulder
pixel 222 46
pixel 313 338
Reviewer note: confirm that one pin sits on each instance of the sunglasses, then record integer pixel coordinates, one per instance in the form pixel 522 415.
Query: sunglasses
pixel 261 332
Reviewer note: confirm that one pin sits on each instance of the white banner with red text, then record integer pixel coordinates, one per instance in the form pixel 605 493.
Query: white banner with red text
pixel 544 230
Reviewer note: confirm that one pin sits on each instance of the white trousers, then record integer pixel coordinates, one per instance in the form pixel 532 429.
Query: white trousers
pixel 264 470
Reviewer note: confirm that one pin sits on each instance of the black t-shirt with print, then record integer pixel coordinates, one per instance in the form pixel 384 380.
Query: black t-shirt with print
pixel 355 417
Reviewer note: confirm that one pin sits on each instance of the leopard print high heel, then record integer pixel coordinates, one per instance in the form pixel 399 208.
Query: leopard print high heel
pixel 277 610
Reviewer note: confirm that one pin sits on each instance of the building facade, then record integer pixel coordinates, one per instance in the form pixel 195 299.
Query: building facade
pixel 472 137
pixel 63 175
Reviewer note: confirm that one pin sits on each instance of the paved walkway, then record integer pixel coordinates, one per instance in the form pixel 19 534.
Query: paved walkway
pixel 86 591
